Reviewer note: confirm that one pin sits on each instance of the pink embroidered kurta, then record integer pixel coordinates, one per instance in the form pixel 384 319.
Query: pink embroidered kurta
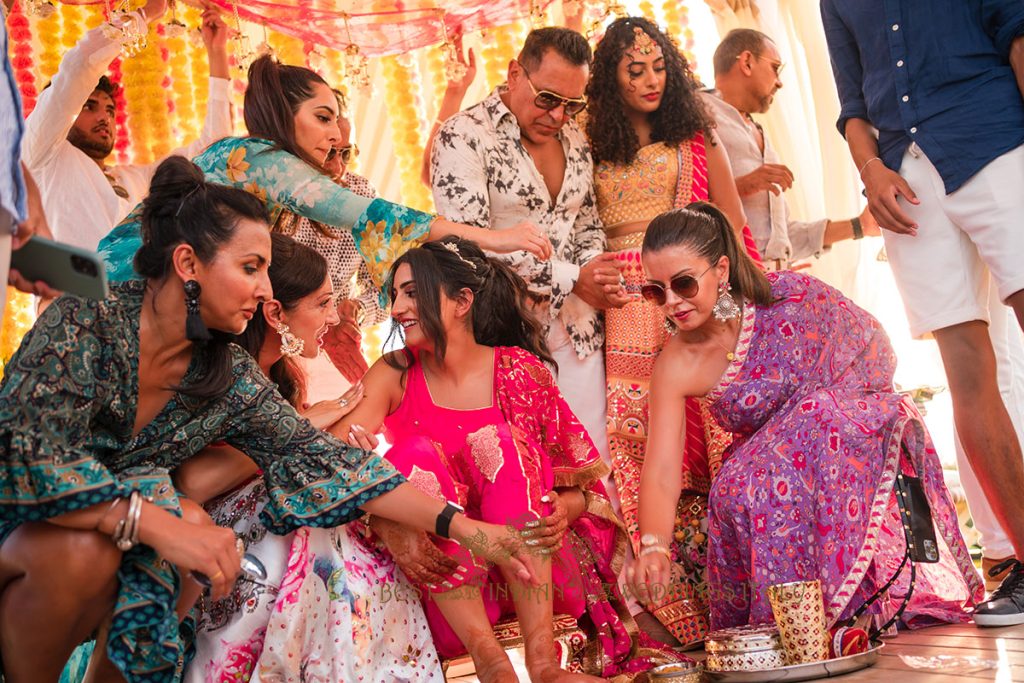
pixel 498 462
pixel 806 488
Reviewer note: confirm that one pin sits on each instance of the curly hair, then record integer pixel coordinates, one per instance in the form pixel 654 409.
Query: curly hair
pixel 679 117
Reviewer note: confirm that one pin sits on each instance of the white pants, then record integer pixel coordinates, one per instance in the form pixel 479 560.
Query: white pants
pixel 1009 350
pixel 943 275
pixel 582 383
pixel 943 272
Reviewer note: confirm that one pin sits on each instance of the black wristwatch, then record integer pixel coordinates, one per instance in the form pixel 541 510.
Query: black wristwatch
pixel 444 519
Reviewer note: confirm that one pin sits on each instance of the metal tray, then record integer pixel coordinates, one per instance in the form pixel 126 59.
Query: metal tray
pixel 801 672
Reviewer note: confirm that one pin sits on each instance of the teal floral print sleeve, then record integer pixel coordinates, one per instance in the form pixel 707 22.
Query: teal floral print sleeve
pixel 68 405
pixel 382 230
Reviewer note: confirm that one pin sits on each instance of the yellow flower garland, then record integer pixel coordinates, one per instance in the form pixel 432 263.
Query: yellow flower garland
pixel 180 71
pixel 19 315
pixel 404 106
pixel 676 20
pixel 502 46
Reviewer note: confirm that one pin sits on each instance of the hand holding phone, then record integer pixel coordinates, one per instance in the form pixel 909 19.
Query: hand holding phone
pixel 61 267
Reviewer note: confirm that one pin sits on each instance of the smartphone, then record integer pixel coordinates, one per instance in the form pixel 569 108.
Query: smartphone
pixel 64 267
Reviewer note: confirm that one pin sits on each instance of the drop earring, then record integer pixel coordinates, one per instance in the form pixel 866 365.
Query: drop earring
pixel 726 308
pixel 670 327
pixel 290 344
pixel 195 328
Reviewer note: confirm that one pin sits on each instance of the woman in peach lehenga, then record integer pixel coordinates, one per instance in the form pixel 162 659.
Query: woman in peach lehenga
pixel 649 137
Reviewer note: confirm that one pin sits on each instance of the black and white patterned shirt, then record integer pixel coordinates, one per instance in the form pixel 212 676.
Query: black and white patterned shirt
pixel 483 175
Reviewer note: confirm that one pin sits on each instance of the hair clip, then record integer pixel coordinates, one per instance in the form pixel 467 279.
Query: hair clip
pixel 454 248
pixel 642 42
pixel 185 198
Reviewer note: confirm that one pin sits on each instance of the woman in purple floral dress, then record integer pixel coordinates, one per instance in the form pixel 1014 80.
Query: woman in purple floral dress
pixel 803 378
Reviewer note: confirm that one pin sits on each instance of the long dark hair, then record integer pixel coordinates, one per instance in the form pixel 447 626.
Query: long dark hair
pixel 500 315
pixel 705 230
pixel 295 272
pixel 275 92
pixel 679 117
pixel 182 208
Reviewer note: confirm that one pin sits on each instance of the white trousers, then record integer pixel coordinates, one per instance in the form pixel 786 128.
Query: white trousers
pixel 582 383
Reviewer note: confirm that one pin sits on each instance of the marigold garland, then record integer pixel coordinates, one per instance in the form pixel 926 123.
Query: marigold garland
pixel 676 26
pixel 180 92
pixel 438 76
pixel 143 74
pixel 405 107
pixel 501 47
pixel 647 11
pixel 19 315
pixel 200 69
pixel 48 31
pixel 19 30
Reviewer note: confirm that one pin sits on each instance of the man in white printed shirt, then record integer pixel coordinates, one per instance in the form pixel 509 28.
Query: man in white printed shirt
pixel 71 131
pixel 747 74
pixel 519 156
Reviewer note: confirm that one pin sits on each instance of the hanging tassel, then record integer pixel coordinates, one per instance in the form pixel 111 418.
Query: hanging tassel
pixel 195 328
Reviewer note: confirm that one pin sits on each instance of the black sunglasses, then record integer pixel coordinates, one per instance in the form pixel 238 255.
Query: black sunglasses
pixel 685 286
pixel 547 100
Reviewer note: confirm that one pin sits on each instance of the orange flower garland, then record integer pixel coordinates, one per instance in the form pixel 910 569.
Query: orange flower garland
pixel 404 106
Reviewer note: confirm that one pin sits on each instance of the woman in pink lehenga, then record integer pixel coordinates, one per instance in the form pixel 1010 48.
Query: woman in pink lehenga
pixel 803 380
pixel 654 149
pixel 476 419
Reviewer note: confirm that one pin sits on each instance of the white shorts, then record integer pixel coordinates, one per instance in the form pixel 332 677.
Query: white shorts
pixel 943 272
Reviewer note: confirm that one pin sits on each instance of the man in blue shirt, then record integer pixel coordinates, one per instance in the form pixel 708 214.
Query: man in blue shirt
pixel 932 110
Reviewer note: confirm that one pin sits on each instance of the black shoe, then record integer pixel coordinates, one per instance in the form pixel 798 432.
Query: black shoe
pixel 1006 606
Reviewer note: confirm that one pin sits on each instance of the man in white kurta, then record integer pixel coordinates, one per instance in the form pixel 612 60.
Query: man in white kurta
pixel 71 131
pixel 747 75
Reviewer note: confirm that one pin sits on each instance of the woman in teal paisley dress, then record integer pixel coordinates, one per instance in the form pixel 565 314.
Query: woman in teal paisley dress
pixel 103 398
pixel 291 114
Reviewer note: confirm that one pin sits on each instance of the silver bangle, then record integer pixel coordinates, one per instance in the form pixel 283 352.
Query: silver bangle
pixel 126 533
pixel 861 171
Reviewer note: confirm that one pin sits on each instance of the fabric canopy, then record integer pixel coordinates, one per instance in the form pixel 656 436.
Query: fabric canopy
pixel 384 27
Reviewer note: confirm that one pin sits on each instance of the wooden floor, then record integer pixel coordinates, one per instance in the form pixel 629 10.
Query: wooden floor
pixel 1005 646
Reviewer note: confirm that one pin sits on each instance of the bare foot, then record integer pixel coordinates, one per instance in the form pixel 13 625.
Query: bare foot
pixel 553 674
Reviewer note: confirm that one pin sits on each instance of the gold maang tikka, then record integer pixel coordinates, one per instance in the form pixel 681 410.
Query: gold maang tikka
pixel 642 43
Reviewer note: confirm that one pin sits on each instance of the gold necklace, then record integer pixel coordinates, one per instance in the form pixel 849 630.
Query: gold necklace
pixel 730 354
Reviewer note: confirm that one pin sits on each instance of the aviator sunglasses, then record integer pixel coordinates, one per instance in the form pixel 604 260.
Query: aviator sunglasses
pixel 347 153
pixel 547 100
pixel 685 287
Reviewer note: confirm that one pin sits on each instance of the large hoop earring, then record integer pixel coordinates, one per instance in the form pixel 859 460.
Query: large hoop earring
pixel 726 308
pixel 290 344
pixel 195 328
